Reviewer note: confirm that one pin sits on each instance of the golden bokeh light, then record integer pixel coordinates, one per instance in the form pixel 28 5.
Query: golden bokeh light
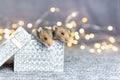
pixel 73 23
pixel 92 35
pixel 1 37
pixel 6 31
pixel 59 23
pixel 114 48
pixel 87 37
pixel 74 14
pixel 52 9
pixel 11 31
pixel 77 37
pixel 110 28
pixel 91 50
pixel 99 50
pixel 81 30
pixel 112 39
pixel 29 25
pixel 21 23
pixel 75 42
pixel 69 25
pixel 84 19
pixel 6 36
pixel 14 26
pixel 97 45
pixel 1 31
pixel 82 47
pixel 69 44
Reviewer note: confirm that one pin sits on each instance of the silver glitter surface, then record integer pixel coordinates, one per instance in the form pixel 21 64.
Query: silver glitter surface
pixel 37 57
pixel 16 41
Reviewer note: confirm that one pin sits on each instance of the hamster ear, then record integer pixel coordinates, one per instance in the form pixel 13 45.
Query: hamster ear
pixel 54 27
pixel 39 29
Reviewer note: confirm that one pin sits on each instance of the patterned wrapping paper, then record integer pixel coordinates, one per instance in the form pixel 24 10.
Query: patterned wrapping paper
pixel 37 57
pixel 16 41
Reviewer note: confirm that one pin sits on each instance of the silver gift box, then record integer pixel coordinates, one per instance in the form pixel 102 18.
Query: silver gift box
pixel 30 54
pixel 15 42
pixel 37 57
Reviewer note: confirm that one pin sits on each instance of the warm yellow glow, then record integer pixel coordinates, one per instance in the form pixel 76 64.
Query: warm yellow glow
pixel 74 14
pixel 99 50
pixel 6 36
pixel 103 47
pixel 87 37
pixel 29 25
pixel 76 33
pixel 75 41
pixel 92 35
pixel 71 39
pixel 114 48
pixel 69 44
pixel 14 26
pixel 21 22
pixel 112 39
pixel 1 31
pixel 73 23
pixel 69 25
pixel 84 20
pixel 91 50
pixel 6 31
pixel 72 34
pixel 77 37
pixel 82 47
pixel 33 30
pixel 104 43
pixel 11 31
pixel 97 45
pixel 110 28
pixel 81 30
pixel 59 23
pixel 52 9
pixel 1 38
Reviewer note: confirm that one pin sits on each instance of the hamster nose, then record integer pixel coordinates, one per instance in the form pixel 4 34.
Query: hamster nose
pixel 66 39
pixel 49 44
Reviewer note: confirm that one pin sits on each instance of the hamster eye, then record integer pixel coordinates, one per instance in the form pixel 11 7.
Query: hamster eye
pixel 62 33
pixel 45 38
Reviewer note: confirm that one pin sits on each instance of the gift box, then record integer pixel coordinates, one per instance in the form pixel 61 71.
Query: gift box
pixel 37 57
pixel 13 44
pixel 30 54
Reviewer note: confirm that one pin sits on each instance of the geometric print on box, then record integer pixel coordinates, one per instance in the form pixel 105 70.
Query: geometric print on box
pixel 10 46
pixel 36 57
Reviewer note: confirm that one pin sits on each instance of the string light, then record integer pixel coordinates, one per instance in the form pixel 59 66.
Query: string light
pixel 6 36
pixel 112 39
pixel 84 20
pixel 82 47
pixel 1 31
pixel 69 25
pixel 91 50
pixel 114 48
pixel 74 14
pixel 87 37
pixel 52 9
pixel 14 26
pixel 92 35
pixel 81 30
pixel 73 23
pixel 97 45
pixel 110 28
pixel 7 31
pixel 1 37
pixel 99 50
pixel 59 23
pixel 29 25
pixel 21 22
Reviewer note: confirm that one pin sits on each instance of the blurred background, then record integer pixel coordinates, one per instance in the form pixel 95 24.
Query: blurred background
pixel 95 22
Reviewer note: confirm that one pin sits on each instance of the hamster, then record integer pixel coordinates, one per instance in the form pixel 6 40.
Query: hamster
pixel 45 36
pixel 62 33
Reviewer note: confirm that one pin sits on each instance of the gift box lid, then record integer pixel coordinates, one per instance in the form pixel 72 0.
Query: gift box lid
pixel 14 43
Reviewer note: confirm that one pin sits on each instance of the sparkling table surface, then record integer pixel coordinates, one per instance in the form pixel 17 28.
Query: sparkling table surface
pixel 79 65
